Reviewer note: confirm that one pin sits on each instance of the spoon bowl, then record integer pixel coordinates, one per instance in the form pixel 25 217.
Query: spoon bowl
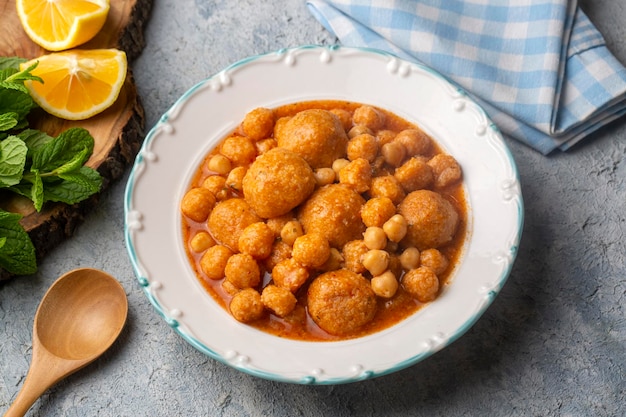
pixel 78 319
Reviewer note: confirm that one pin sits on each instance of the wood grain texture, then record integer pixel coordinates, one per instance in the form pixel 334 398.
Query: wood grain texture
pixel 118 131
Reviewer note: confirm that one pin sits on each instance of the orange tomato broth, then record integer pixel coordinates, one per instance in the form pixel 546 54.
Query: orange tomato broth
pixel 298 325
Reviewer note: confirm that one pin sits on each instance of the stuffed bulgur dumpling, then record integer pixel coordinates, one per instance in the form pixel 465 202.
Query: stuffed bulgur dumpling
pixel 333 211
pixel 341 301
pixel 276 182
pixel 432 220
pixel 316 135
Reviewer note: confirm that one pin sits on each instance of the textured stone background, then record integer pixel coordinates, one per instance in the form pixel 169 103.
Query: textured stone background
pixel 552 343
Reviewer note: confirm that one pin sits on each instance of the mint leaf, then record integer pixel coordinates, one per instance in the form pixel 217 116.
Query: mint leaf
pixel 34 139
pixel 8 121
pixel 16 101
pixel 12 160
pixel 17 253
pixel 75 187
pixel 62 149
pixel 73 164
pixel 11 62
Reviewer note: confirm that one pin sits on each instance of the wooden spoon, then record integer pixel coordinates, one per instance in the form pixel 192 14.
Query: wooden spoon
pixel 78 319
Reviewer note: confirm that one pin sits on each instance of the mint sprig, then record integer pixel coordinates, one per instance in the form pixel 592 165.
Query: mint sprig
pixel 35 165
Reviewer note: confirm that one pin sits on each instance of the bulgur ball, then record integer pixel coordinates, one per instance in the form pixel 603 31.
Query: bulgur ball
pixel 276 182
pixel 333 211
pixel 278 299
pixel 214 260
pixel 377 210
pixel 357 175
pixel 311 250
pixel 368 116
pixel 422 283
pixel 290 274
pixel 259 123
pixel 239 150
pixel 415 141
pixel 341 302
pixel 242 271
pixel 387 186
pixel 197 204
pixel 446 170
pixel 228 219
pixel 316 135
pixel 414 174
pixel 256 240
pixel 362 146
pixel 246 306
pixel 435 260
pixel 432 220
pixel 353 253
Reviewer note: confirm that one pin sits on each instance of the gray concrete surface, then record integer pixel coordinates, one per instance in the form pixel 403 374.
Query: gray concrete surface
pixel 552 344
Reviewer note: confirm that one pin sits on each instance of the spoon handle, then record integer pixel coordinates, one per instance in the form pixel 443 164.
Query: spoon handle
pixel 32 389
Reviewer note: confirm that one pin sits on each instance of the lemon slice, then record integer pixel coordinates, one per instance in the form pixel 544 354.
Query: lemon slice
pixel 78 84
pixel 57 25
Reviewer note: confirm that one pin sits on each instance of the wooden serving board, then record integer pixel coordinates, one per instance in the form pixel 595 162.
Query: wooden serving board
pixel 118 131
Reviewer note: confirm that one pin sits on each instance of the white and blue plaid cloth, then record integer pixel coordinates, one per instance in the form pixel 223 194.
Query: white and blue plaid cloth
pixel 538 67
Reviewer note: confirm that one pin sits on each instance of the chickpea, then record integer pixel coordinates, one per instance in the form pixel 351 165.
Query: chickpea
pixel 280 252
pixel 257 240
pixel 446 170
pixel 234 180
pixel 239 150
pixel 376 261
pixel 217 185
pixel 414 174
pixel 376 211
pixel 435 260
pixel 324 176
pixel 242 271
pixel 219 164
pixel 311 250
pixel 387 186
pixel 278 299
pixel 385 285
pixel 197 204
pixel 353 253
pixel 359 130
pixel 393 153
pixel 229 288
pixel 362 146
pixel 375 238
pixel 246 306
pixel 276 224
pixel 290 274
pixel 259 123
pixel 265 145
pixel 410 258
pixel 344 117
pixel 422 283
pixel 213 262
pixel 385 136
pixel 368 116
pixel 356 175
pixel 339 164
pixel 291 231
pixel 334 260
pixel 395 228
pixel 415 141
pixel 201 242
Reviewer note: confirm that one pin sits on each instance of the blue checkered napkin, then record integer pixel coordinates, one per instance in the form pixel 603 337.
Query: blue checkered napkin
pixel 539 68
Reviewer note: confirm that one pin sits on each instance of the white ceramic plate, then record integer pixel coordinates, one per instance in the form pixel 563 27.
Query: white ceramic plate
pixel 202 116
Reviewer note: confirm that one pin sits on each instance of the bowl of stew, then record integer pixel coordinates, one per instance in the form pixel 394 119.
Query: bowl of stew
pixel 323 215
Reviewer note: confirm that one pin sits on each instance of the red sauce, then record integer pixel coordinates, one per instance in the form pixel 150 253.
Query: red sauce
pixel 298 324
